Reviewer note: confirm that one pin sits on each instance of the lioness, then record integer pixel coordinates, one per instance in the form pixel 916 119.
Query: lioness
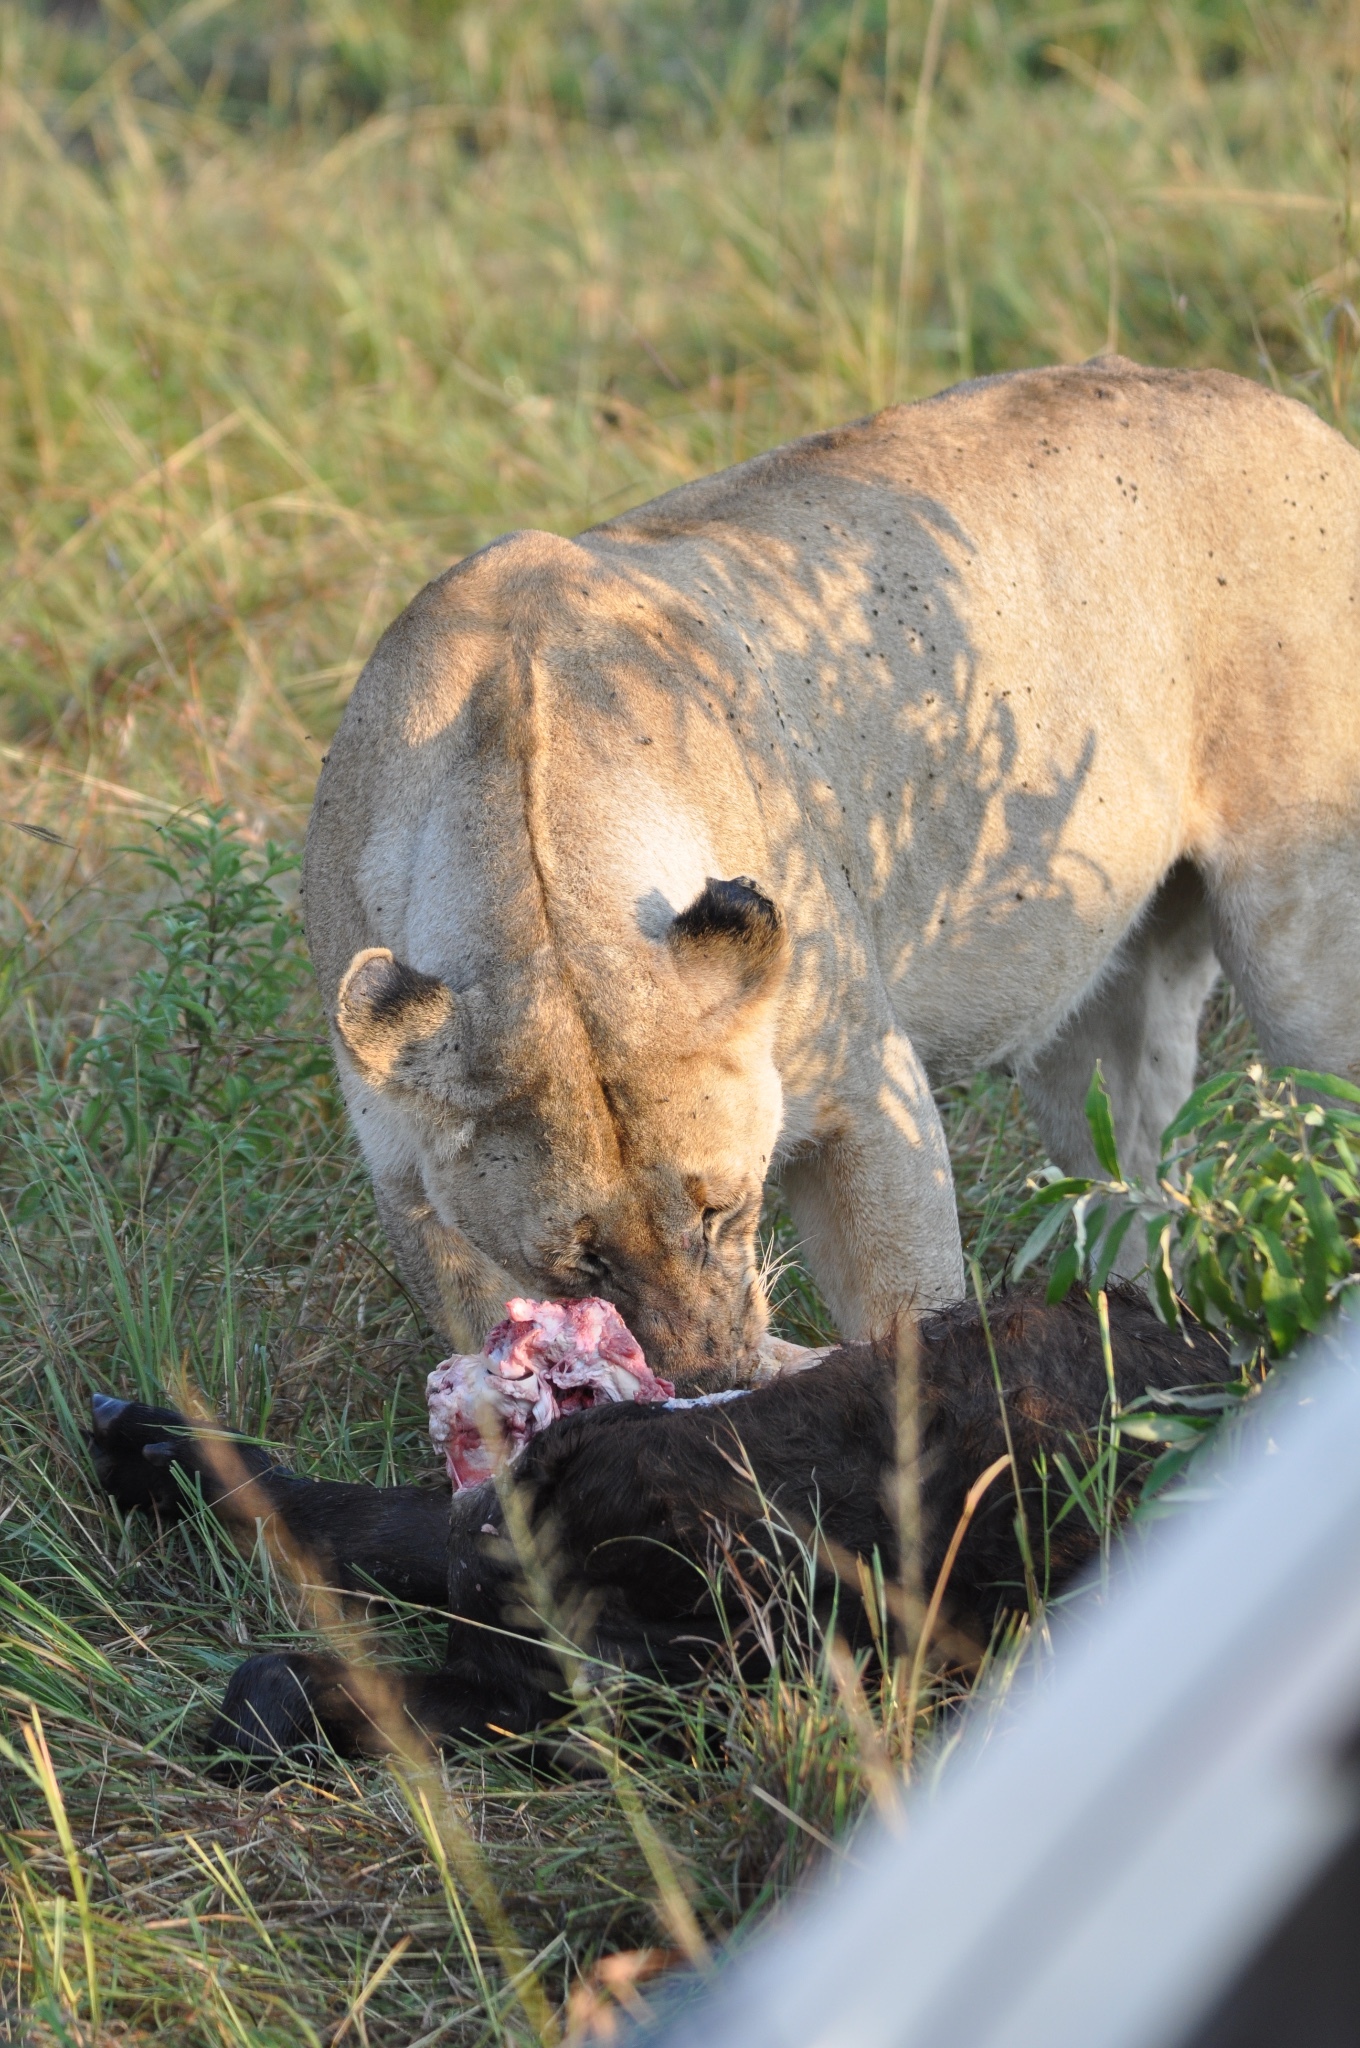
pixel 975 734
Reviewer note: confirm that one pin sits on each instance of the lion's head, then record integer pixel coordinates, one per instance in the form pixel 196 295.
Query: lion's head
pixel 606 1131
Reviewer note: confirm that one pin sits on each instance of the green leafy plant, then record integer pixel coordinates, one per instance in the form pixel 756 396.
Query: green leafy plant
pixel 1254 1221
pixel 1253 1226
pixel 205 1054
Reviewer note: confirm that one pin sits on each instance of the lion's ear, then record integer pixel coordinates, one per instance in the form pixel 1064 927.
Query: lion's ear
pixel 386 1007
pixel 730 944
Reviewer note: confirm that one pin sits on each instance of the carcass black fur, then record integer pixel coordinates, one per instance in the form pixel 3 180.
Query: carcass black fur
pixel 626 1509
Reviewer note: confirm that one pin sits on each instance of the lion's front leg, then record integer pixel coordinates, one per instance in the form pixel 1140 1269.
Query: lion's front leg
pixel 873 1202
pixel 460 1290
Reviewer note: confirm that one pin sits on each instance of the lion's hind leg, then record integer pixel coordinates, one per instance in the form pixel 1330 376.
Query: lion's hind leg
pixel 1141 1022
pixel 1286 922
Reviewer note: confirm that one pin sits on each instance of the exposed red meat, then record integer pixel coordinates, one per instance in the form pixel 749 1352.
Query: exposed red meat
pixel 546 1359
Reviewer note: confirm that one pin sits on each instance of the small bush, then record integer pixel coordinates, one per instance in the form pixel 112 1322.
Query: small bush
pixel 207 1055
pixel 1254 1223
pixel 1253 1227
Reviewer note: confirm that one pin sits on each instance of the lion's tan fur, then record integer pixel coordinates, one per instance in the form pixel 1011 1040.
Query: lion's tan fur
pixel 1026 705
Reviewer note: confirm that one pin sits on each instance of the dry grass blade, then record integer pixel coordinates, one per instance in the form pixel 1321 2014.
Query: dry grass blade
pixel 354 2011
pixel 972 1500
pixel 35 1740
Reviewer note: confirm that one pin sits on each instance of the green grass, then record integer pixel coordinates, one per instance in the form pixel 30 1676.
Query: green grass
pixel 300 303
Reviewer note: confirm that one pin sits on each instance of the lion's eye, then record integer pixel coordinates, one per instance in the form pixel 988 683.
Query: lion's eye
pixel 591 1265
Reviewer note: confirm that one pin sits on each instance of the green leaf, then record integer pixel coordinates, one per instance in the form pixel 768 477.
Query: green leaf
pixel 1103 1263
pixel 1062 1190
pixel 1318 1084
pixel 1066 1267
pixel 1283 1322
pixel 1209 1279
pixel 1080 1487
pixel 1159 1262
pixel 1040 1238
pixel 1277 1258
pixel 1100 1118
pixel 1322 1218
pixel 1316 1276
pixel 1192 1111
pixel 1169 1466
pixel 1282 1299
pixel 1179 1431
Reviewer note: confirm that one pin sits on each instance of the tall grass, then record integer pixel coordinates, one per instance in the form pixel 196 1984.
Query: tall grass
pixel 262 376
pixel 300 302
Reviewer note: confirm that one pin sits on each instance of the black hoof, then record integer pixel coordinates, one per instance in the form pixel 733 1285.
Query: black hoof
pixel 268 1719
pixel 105 1411
pixel 136 1450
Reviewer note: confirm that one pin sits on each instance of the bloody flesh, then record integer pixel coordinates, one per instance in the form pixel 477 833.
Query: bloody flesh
pixel 548 1358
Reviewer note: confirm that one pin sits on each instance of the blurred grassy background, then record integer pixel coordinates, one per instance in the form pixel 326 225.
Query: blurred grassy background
pixel 299 302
